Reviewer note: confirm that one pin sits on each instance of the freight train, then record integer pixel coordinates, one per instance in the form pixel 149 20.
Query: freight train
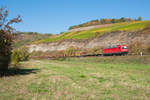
pixel 115 50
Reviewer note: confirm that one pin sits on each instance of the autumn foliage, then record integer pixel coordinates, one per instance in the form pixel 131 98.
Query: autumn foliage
pixel 6 37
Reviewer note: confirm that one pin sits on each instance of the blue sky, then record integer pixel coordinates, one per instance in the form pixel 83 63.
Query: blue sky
pixel 55 16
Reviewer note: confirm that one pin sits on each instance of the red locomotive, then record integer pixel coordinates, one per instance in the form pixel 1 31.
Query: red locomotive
pixel 116 50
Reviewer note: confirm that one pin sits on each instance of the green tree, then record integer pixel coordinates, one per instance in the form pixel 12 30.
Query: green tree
pixel 103 21
pixel 139 18
pixel 122 19
pixel 113 21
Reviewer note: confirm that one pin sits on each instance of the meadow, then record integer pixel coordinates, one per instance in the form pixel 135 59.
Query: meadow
pixel 91 78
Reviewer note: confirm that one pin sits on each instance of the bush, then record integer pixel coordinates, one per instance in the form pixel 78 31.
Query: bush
pixel 97 50
pixel 15 57
pixel 37 53
pixel 70 51
pixel 18 55
pixel 138 47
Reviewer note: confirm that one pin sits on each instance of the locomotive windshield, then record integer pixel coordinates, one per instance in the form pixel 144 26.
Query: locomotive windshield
pixel 124 47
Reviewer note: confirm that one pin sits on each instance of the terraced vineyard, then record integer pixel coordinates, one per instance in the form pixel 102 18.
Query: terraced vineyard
pixel 126 26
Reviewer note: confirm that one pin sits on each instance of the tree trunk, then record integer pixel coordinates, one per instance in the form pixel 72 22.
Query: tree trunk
pixel 4 63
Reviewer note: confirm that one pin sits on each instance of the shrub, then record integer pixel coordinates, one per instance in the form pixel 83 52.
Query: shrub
pixel 24 54
pixel 70 51
pixel 78 52
pixel 15 57
pixel 18 55
pixel 37 53
pixel 97 50
pixel 138 47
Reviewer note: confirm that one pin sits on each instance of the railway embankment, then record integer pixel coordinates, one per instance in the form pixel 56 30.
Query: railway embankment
pixel 110 38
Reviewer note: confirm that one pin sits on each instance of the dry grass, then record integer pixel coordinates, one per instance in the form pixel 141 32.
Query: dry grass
pixel 104 78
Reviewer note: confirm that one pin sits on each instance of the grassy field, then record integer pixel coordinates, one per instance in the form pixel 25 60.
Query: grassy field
pixel 93 78
pixel 126 26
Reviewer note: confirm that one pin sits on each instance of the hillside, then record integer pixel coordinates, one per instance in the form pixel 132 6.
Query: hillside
pixel 96 32
pixel 104 21
pixel 135 35
pixel 24 38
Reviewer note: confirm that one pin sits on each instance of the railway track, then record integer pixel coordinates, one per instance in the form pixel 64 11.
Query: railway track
pixel 88 55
